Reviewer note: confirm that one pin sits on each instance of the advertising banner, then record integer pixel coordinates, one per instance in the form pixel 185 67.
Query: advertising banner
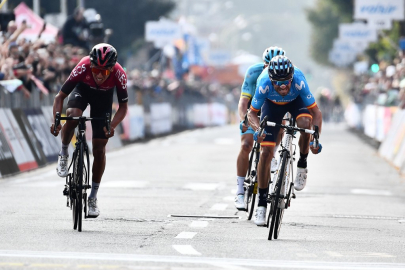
pixel 7 162
pixel 30 137
pixel 162 32
pixel 160 118
pixel 379 9
pixel 40 127
pixel 19 147
pixel 357 32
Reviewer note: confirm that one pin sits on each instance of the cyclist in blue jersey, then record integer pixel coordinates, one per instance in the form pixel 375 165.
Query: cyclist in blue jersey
pixel 248 90
pixel 282 88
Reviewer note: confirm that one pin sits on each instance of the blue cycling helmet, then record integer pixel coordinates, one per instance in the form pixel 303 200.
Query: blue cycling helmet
pixel 280 68
pixel 270 52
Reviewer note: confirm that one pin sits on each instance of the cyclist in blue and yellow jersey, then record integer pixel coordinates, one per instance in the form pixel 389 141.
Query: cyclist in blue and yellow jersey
pixel 248 90
pixel 282 88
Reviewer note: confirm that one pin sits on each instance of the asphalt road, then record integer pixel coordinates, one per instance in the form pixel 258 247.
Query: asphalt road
pixel 351 215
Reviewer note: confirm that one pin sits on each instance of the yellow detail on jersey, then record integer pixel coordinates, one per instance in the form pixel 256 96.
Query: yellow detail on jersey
pixel 253 109
pixel 246 95
pixel 304 115
pixel 312 106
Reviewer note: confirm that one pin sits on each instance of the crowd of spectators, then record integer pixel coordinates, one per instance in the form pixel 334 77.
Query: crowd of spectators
pixel 38 65
pixel 384 86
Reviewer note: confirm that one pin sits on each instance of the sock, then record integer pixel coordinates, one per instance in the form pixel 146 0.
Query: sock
pixel 241 181
pixel 275 151
pixel 64 151
pixel 263 192
pixel 302 162
pixel 94 189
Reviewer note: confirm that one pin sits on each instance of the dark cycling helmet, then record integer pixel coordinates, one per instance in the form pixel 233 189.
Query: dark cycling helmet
pixel 103 55
pixel 270 52
pixel 280 68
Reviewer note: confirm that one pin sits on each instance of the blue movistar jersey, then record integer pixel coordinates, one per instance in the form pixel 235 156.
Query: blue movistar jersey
pixel 265 89
pixel 249 84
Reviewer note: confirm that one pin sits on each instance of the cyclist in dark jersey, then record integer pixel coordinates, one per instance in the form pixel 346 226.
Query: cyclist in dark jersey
pixel 92 82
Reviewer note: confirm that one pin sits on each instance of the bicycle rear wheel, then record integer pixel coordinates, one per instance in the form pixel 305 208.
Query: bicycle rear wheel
pixel 251 192
pixel 276 216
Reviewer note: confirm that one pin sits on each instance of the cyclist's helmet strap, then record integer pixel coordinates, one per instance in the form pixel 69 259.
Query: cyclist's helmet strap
pixel 271 52
pixel 280 68
pixel 103 55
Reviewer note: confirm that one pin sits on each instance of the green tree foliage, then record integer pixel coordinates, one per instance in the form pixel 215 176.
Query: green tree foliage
pixel 325 18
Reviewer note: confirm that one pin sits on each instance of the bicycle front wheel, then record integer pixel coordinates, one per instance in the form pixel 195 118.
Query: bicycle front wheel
pixel 78 189
pixel 277 216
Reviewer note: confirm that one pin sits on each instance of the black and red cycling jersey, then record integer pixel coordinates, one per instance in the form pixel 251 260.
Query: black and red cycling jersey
pixel 82 78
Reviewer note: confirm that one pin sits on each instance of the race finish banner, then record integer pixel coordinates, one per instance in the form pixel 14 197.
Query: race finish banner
pixel 40 127
pixel 30 137
pixel 18 145
pixel 379 9
pixel 7 162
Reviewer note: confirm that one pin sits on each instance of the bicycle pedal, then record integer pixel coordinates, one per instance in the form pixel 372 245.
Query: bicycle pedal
pixel 293 196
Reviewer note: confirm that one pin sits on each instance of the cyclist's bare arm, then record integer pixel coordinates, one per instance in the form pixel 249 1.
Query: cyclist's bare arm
pixel 118 117
pixel 57 107
pixel 254 120
pixel 316 117
pixel 242 107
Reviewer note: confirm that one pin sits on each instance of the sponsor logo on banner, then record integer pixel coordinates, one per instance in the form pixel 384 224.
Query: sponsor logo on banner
pixel 377 9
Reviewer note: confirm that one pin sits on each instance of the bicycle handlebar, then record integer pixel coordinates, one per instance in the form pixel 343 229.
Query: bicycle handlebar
pixel 83 118
pixel 314 132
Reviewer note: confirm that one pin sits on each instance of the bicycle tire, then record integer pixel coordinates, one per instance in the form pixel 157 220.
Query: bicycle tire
pixel 79 193
pixel 73 188
pixel 279 218
pixel 247 186
pixel 252 187
pixel 275 208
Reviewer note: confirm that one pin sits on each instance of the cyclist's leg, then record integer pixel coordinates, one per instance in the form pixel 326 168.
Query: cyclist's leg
pixel 242 166
pixel 304 120
pixel 242 162
pixel 275 114
pixel 77 103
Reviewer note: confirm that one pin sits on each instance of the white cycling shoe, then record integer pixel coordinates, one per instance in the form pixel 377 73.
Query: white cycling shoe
pixel 62 169
pixel 301 179
pixel 260 216
pixel 274 165
pixel 240 202
pixel 93 208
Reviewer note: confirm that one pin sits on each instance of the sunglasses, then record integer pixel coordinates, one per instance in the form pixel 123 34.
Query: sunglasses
pixel 103 72
pixel 280 83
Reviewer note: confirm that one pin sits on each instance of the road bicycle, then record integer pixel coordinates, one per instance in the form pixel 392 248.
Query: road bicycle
pixel 250 184
pixel 282 186
pixel 77 182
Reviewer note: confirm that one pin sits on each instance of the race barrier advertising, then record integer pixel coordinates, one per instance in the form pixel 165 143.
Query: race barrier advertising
pixel 26 143
pixel 385 125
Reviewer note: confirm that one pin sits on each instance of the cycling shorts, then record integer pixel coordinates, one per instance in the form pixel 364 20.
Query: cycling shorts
pixel 100 103
pixel 275 113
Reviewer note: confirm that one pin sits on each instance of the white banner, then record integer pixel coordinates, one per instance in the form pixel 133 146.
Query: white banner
pixel 136 122
pixel 341 59
pixel 349 45
pixel 162 32
pixel 357 32
pixel 379 9
pixel 160 118
pixel 383 24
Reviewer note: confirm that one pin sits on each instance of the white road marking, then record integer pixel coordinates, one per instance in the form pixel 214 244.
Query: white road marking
pixel 201 186
pixel 125 184
pixel 199 224
pixel 219 207
pixel 36 177
pixel 288 264
pixel 371 192
pixel 401 221
pixel 186 235
pixel 186 250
